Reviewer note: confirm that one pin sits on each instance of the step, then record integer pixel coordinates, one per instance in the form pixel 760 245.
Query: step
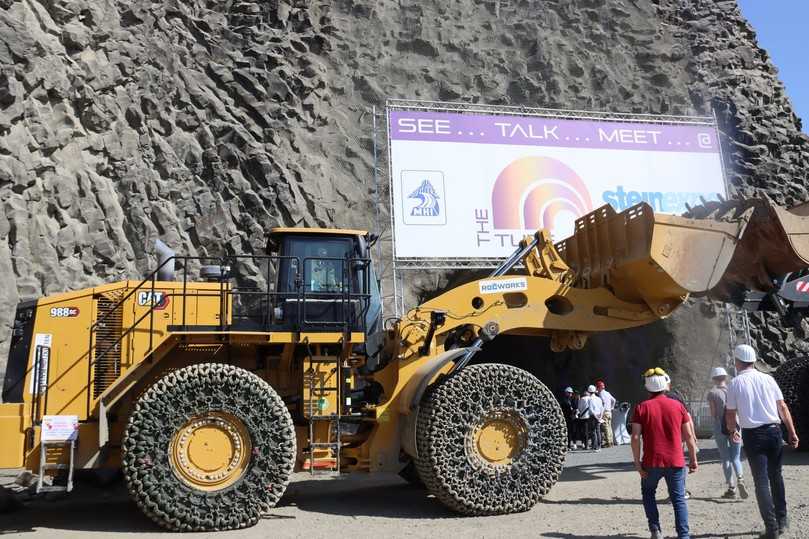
pixel 320 465
pixel 46 488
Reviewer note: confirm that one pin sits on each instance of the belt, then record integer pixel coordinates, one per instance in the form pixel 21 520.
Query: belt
pixel 767 426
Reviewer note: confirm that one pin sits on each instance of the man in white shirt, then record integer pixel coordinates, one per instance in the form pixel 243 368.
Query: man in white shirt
pixel 609 406
pixel 757 400
pixel 592 409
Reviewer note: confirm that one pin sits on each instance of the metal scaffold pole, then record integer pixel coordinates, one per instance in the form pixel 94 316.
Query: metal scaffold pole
pixel 737 321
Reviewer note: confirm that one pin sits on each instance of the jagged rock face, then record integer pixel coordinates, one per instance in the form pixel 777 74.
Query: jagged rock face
pixel 206 123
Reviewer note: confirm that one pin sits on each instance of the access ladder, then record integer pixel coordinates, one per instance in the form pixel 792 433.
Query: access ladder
pixel 44 465
pixel 324 406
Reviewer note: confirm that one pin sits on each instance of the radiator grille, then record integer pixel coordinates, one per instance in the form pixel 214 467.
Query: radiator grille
pixel 106 357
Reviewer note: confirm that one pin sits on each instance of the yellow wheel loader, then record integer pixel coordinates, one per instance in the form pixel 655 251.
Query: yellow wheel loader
pixel 209 382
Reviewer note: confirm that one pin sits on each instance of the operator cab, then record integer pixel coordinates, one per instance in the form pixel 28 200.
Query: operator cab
pixel 325 280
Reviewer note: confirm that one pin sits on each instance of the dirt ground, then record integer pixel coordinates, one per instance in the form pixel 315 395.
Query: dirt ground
pixel 597 497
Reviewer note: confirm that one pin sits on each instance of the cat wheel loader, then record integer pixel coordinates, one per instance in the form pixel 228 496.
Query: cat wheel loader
pixel 210 381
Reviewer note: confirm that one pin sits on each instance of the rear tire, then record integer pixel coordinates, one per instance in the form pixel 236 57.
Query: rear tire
pixel 793 377
pixel 491 440
pixel 208 447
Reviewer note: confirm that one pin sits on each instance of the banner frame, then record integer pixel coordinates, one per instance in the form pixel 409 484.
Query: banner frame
pixel 434 263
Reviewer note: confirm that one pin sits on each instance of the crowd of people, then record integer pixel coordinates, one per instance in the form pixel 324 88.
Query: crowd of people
pixel 594 420
pixel 748 413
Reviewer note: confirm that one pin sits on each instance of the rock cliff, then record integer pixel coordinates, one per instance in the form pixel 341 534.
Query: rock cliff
pixel 206 123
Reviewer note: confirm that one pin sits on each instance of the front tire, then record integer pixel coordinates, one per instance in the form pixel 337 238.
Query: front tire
pixel 208 447
pixel 793 377
pixel 491 440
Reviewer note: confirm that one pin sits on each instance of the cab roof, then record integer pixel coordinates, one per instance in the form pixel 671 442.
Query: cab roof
pixel 325 231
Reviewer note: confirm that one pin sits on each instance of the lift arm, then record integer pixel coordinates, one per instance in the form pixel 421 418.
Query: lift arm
pixel 617 271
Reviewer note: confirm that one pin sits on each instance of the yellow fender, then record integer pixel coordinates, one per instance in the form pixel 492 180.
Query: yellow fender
pixel 411 394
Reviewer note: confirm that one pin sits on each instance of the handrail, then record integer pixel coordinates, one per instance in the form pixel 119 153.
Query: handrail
pixel 298 291
pixel 122 300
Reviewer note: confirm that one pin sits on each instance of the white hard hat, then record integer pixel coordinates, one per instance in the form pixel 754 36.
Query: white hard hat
pixel 568 389
pixel 591 388
pixel 718 371
pixel 657 382
pixel 745 353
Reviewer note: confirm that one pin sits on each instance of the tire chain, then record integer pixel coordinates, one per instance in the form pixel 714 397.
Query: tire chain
pixel 446 416
pixel 166 406
pixel 793 379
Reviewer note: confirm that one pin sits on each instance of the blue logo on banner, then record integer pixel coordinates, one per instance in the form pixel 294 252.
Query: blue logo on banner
pixel 428 205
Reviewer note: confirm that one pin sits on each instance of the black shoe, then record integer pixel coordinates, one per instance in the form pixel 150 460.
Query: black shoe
pixel 769 535
pixel 783 525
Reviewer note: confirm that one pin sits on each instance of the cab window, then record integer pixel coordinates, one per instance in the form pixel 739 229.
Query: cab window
pixel 319 262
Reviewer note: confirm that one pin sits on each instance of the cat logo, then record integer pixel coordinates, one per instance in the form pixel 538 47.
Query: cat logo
pixel 159 300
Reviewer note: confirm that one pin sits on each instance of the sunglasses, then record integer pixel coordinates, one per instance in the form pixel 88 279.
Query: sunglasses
pixel 657 371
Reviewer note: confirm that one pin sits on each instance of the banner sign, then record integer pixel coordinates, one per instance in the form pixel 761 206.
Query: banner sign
pixel 472 185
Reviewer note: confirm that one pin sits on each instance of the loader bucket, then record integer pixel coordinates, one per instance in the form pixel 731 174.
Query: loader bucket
pixel 648 258
pixel 718 250
pixel 775 242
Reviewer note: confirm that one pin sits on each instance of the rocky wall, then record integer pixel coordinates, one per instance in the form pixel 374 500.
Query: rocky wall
pixel 205 123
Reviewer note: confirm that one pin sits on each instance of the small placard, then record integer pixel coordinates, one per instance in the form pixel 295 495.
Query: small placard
pixel 57 428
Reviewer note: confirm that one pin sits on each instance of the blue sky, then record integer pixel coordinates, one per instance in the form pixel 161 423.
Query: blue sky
pixel 781 27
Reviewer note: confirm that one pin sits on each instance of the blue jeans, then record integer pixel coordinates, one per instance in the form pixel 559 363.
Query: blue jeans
pixel 730 454
pixel 675 481
pixel 764 448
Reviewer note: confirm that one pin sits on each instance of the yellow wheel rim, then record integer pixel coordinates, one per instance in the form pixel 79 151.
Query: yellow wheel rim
pixel 498 438
pixel 211 451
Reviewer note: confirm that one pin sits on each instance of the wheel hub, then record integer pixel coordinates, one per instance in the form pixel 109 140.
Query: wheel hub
pixel 211 451
pixel 497 438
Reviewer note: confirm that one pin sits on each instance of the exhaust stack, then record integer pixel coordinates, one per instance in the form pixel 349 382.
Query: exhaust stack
pixel 164 253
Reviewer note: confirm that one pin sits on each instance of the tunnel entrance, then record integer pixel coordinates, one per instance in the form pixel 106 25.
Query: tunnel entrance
pixel 617 357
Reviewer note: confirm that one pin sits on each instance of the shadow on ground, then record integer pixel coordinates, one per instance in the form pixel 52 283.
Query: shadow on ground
pixel 86 509
pixel 385 496
pixel 110 510
pixel 594 472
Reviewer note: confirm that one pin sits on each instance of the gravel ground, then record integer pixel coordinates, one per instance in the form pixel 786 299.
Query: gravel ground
pixel 597 497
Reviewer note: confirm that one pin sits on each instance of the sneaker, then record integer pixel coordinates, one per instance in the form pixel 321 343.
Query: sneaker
pixel 730 494
pixel 687 495
pixel 597 450
pixel 783 525
pixel 743 490
pixel 657 534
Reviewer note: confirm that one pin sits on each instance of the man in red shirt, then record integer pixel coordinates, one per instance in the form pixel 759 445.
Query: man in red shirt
pixel 663 424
